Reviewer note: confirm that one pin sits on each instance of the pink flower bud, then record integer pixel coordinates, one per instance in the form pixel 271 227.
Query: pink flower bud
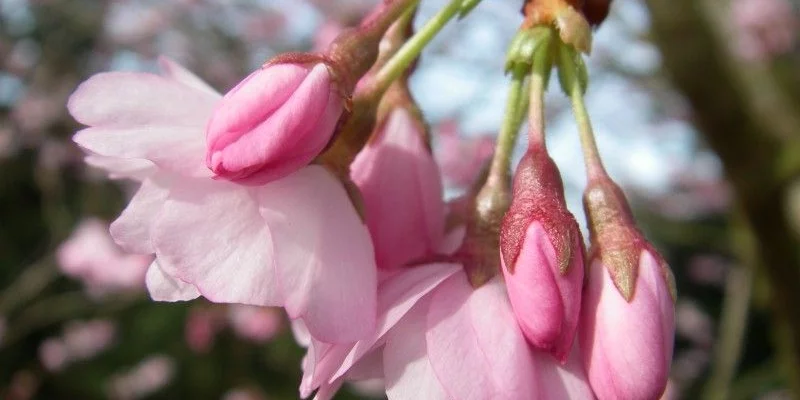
pixel 627 345
pixel 542 256
pixel 274 122
pixel 627 314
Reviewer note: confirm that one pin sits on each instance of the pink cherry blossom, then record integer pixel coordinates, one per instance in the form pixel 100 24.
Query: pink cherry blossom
pixel 273 123
pixel 627 347
pixel 90 255
pixel 296 242
pixel 258 324
pixel 402 191
pixel 440 338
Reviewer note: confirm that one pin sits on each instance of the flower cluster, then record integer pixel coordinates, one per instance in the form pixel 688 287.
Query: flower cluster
pixel 311 186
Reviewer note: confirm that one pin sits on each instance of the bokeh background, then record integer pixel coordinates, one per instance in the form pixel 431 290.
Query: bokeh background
pixel 696 104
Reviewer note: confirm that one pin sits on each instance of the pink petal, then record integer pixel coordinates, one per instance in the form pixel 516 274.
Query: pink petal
pixel 273 123
pixel 132 229
pixel 178 149
pixel 475 345
pixel 210 234
pixel 402 192
pixel 129 100
pixel 395 298
pixel 562 382
pixel 172 70
pixel 163 287
pixel 408 372
pixel 323 255
pixel 545 302
pixel 122 168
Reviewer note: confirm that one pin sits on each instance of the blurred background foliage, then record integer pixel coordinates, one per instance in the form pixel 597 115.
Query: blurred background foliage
pixel 697 108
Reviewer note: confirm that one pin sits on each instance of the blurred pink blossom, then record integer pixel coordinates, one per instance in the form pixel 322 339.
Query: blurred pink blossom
pixel 243 394
pixel 202 326
pixel 258 324
pixel 461 158
pixel 144 379
pixel 708 269
pixel 79 341
pixel 91 256
pixel 764 28
pixel 326 34
pixel 693 323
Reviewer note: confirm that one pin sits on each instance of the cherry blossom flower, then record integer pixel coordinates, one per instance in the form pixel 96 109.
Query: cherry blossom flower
pixel 295 242
pixel 440 338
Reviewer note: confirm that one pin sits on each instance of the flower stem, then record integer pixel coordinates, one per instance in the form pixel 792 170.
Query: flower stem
pixel 568 69
pixel 515 106
pixel 395 67
pixel 538 84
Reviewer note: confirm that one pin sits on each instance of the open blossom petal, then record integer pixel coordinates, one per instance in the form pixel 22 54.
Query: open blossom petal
pixel 474 344
pixel 132 228
pixel 140 116
pixel 210 234
pixel 402 191
pixel 163 287
pixel 173 148
pixel 562 382
pixel 397 296
pixel 129 99
pixel 120 168
pixel 323 254
pixel 178 73
pixel 407 369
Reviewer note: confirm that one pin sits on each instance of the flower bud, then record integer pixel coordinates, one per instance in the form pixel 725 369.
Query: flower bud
pixel 401 190
pixel 274 122
pixel 627 315
pixel 542 256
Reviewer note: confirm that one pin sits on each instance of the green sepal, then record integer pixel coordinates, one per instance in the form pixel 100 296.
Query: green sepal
pixel 571 69
pixel 525 45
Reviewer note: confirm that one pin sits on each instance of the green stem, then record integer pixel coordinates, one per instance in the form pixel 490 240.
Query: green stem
pixel 507 138
pixel 395 67
pixel 591 156
pixel 538 84
pixel 735 309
